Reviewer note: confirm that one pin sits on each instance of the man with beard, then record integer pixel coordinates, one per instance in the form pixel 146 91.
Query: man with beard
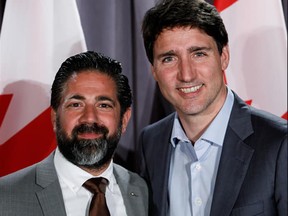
pixel 91 107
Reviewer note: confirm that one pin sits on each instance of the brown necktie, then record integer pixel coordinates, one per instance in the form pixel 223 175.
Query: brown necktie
pixel 98 206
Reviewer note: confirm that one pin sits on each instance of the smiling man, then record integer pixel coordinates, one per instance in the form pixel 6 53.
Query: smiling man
pixel 215 155
pixel 91 107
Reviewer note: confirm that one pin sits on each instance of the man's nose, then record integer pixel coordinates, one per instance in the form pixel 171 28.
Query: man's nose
pixel 89 115
pixel 186 70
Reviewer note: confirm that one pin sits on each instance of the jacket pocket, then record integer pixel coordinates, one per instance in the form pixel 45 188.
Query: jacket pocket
pixel 249 210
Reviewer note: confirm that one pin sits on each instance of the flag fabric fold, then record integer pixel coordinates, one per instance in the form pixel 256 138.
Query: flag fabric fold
pixel 258 46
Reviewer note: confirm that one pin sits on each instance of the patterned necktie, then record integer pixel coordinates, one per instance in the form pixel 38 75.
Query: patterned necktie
pixel 98 206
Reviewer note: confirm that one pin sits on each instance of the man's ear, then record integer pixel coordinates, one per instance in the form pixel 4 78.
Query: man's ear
pixel 53 119
pixel 225 57
pixel 125 119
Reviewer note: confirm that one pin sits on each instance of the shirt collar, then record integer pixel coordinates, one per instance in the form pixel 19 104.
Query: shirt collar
pixel 74 177
pixel 214 133
pixel 178 133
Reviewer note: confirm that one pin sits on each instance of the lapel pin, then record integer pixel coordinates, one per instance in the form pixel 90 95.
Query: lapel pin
pixel 133 194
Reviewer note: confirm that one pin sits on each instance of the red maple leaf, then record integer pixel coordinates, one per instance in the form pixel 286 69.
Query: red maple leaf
pixel 223 4
pixel 249 102
pixel 285 116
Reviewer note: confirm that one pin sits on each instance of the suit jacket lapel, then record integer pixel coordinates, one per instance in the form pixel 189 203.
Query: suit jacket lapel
pixel 50 198
pixel 131 194
pixel 159 168
pixel 131 201
pixel 235 159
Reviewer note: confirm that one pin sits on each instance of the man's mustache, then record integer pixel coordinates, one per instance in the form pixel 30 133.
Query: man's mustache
pixel 90 128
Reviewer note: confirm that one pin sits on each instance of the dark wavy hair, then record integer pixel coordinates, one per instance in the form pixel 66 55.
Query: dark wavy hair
pixel 168 14
pixel 95 62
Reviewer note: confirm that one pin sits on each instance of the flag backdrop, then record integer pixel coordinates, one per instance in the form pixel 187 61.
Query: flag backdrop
pixel 36 37
pixel 258 51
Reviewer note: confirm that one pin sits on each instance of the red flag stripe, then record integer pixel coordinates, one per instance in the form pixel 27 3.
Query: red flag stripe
pixel 30 145
pixel 4 101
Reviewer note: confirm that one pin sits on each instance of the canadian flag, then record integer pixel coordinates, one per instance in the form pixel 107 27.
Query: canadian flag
pixel 258 52
pixel 36 37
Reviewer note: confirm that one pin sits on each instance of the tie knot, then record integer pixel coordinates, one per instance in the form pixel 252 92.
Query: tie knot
pixel 96 185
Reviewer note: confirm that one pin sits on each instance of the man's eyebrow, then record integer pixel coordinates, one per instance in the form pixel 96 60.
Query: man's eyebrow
pixel 77 97
pixel 98 98
pixel 190 49
pixel 165 54
pixel 105 98
pixel 198 48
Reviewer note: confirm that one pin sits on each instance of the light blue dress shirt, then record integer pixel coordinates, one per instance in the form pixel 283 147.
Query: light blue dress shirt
pixel 193 169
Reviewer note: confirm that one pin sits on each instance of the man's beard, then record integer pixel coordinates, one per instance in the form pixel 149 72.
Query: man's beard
pixel 89 153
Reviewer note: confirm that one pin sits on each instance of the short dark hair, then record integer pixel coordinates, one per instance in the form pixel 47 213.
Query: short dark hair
pixel 95 62
pixel 168 14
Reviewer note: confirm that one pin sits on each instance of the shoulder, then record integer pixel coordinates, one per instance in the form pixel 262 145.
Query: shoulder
pixel 269 133
pixel 265 120
pixel 17 189
pixel 27 177
pixel 20 190
pixel 261 121
pixel 22 177
pixel 264 131
pixel 159 128
pixel 162 122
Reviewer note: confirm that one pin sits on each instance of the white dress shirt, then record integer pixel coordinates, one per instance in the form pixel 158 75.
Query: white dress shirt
pixel 76 198
pixel 193 169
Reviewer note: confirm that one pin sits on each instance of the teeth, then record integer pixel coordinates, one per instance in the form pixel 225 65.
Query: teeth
pixel 192 89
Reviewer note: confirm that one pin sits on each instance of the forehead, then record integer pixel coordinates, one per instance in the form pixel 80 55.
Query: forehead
pixel 174 38
pixel 91 81
pixel 182 32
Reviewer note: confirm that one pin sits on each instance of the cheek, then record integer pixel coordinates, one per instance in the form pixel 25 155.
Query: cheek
pixel 165 77
pixel 67 123
pixel 159 73
pixel 112 122
pixel 215 71
pixel 217 79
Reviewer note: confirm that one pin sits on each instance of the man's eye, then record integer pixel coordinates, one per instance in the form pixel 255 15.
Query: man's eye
pixel 167 59
pixel 74 105
pixel 105 106
pixel 199 54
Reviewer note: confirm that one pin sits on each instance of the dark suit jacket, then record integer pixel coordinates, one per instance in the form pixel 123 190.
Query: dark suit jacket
pixel 252 174
pixel 36 191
